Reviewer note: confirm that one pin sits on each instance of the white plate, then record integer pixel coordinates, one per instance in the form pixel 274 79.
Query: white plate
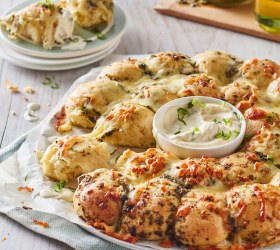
pixel 113 35
pixel 45 61
pixel 12 58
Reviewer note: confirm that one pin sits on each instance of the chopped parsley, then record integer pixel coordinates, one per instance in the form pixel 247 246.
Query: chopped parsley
pixel 178 132
pixel 47 4
pixel 227 121
pixel 195 130
pixel 237 132
pixel 196 102
pixel 270 158
pixel 216 121
pixel 181 113
pixel 25 178
pixel 59 185
pixel 117 158
pixel 224 104
pixel 100 36
pixel 225 135
pixel 50 81
pixel 113 152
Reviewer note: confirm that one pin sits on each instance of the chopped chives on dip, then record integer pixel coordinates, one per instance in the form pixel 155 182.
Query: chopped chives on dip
pixel 201 125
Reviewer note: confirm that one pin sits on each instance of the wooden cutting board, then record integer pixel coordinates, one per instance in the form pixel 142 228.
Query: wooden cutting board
pixel 240 19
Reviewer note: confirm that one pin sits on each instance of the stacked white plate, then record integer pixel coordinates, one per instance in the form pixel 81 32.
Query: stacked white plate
pixel 32 56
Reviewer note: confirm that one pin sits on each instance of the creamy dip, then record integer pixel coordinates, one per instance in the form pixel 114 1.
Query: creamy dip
pixel 201 125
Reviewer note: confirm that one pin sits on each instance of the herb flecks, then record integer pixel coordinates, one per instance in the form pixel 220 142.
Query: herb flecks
pixel 177 132
pixel 225 135
pixel 26 177
pixel 227 121
pixel 50 81
pixel 59 185
pixel 181 113
pixel 100 36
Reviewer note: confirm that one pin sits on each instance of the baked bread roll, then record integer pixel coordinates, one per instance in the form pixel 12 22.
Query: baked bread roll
pixel 70 156
pixel 91 14
pixel 126 124
pixel 99 198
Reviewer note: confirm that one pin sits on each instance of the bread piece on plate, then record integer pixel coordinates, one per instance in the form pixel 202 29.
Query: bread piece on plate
pixel 91 14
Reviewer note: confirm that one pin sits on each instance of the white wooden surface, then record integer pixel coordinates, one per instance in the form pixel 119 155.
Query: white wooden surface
pixel 147 32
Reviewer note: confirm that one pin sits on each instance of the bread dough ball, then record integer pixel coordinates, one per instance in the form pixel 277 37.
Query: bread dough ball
pixel 126 124
pixel 241 94
pixel 240 168
pixel 199 85
pixel 141 167
pixel 91 13
pixel 266 143
pixel 70 156
pixel 203 172
pixel 260 72
pixel 127 70
pixel 256 211
pixel 41 23
pixel 201 219
pixel 150 210
pixel 99 198
pixel 89 100
pixel 153 97
pixel 167 63
pixel 220 65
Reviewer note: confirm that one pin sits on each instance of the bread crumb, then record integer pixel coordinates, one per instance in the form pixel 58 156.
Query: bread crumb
pixel 26 99
pixel 4 238
pixel 12 88
pixel 29 90
pixel 13 112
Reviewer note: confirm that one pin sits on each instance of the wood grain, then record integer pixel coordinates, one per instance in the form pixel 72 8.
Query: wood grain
pixel 148 31
pixel 240 19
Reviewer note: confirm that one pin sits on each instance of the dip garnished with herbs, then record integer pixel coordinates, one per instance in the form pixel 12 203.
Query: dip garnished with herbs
pixel 201 125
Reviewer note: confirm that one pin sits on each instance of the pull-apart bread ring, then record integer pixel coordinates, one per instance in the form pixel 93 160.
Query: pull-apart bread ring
pixel 139 192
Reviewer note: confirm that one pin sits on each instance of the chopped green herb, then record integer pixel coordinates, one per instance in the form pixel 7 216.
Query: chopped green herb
pixel 55 86
pixel 224 104
pixel 48 81
pixel 25 178
pixel 248 137
pixel 113 152
pixel 269 158
pixel 88 40
pixel 195 101
pixel 178 132
pixel 85 110
pixel 195 130
pixel 117 158
pixel 181 112
pixel 100 36
pixel 216 121
pixel 237 132
pixel 224 135
pixel 47 4
pixel 59 185
pixel 227 121
pixel 190 105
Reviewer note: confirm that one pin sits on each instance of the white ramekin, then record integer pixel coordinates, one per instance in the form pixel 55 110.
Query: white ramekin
pixel 183 151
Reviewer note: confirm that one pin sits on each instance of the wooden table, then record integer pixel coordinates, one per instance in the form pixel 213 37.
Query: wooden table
pixel 147 32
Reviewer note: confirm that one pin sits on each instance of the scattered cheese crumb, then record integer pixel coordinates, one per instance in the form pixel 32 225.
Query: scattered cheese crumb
pixel 41 224
pixel 29 90
pixel 27 189
pixel 13 112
